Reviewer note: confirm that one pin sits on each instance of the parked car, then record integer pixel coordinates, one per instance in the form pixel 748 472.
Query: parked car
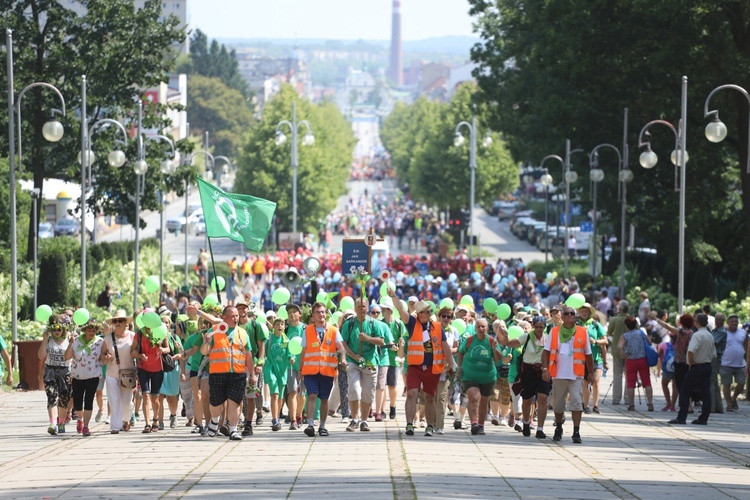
pixel 45 230
pixel 175 224
pixel 67 227
pixel 199 225
pixel 504 210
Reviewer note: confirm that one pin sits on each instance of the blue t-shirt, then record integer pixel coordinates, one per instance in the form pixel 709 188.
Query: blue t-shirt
pixel 427 341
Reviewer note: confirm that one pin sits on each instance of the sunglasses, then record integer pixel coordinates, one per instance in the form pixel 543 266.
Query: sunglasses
pixel 446 316
pixel 568 314
pixel 118 321
pixel 374 313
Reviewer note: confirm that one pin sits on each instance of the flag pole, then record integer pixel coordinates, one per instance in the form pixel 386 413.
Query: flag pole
pixel 213 265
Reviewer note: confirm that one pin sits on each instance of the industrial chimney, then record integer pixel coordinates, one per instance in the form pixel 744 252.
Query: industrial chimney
pixel 396 70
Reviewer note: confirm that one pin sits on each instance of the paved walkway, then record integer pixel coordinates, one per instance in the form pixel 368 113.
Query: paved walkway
pixel 624 455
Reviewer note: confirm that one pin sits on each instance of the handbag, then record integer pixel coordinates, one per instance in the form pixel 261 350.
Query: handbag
pixel 167 362
pixel 127 376
pixel 652 357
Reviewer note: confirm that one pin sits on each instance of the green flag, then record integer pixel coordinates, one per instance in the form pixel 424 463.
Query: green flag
pixel 239 217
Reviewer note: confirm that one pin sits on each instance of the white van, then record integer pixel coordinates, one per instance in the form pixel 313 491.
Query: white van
pixel 381 256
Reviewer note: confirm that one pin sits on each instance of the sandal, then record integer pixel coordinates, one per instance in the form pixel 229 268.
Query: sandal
pixel 631 408
pixel 126 426
pixel 155 426
pixel 323 432
pixel 147 429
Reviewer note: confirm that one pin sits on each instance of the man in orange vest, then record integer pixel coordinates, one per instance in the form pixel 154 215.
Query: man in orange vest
pixel 230 366
pixel 567 353
pixel 428 354
pixel 320 345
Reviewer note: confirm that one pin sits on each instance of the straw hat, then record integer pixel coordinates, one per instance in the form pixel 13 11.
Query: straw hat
pixel 120 314
pixel 591 309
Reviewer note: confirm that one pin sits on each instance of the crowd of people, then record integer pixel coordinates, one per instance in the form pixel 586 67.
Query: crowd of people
pixel 233 364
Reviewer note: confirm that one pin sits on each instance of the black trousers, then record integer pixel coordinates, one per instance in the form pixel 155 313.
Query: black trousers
pixel 84 392
pixel 697 378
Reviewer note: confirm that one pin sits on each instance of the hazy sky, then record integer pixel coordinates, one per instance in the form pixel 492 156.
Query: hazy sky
pixel 330 19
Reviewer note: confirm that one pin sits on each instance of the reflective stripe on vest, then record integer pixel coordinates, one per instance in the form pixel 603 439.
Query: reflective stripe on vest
pixel 321 359
pixel 415 352
pixel 580 337
pixel 226 356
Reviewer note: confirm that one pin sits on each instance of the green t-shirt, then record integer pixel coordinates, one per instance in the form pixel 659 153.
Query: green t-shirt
pixel 398 331
pixel 277 358
pixel 596 332
pixel 296 331
pixel 350 334
pixel 478 362
pixel 195 340
pixel 387 335
pixel 3 346
pixel 255 335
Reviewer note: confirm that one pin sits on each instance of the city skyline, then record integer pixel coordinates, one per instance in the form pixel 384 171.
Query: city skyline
pixel 328 19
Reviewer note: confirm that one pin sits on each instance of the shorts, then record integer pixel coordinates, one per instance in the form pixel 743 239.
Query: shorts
pixel 361 383
pixel 667 376
pixel 485 390
pixel 533 383
pixel 381 379
pixel 150 382
pixel 275 383
pixel 564 388
pixel 226 386
pixel 320 385
pixel 417 378
pixel 501 392
pixel 193 373
pixel 292 381
pixel 729 372
pixel 390 378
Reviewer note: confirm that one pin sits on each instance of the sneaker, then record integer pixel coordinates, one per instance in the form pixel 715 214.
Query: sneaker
pixel 495 420
pixel 364 427
pixel 266 409
pixel 106 420
pixel 173 421
pixel 439 431
pixel 258 418
pixel 429 430
pixel 98 417
pixel 52 429
pixel 698 421
pixel 526 430
pixel 161 425
pixel 204 431
pixel 577 438
pixel 409 430
pixel 74 415
pixel 136 416
pixel 198 429
pixel 114 432
pixel 735 406
pixel 474 429
pixel 276 426
pixel 518 427
pixel 558 433
pixel 586 410
pixel 382 415
pixel 457 424
pixel 352 426
pixel 503 422
pixel 675 421
pixel 310 431
pixel 511 420
pixel 481 430
pixel 344 419
pixel 541 435
pixel 132 419
pixel 248 430
pixel 293 426
pixel 79 426
pixel 61 428
pixel 378 418
pixel 235 436
pixel 224 430
pixel 597 410
pixel 370 414
pixel 422 424
pixel 86 432
pixel 392 414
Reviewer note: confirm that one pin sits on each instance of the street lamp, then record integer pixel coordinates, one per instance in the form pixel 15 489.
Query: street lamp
pixel 570 178
pixel 597 175
pixel 716 131
pixel 648 160
pixel 53 132
pixel 307 140
pixel 86 158
pixel 625 176
pixel 459 141
pixel 546 180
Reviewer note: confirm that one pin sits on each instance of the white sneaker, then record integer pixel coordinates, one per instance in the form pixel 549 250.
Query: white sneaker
pixel 504 421
pixel 440 431
pixel 106 420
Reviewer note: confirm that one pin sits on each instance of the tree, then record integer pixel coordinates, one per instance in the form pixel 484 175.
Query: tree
pixel 122 51
pixel 559 69
pixel 215 60
pixel 265 168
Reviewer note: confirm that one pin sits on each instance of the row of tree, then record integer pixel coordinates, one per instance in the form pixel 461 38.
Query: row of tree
pixel 420 138
pixel 566 69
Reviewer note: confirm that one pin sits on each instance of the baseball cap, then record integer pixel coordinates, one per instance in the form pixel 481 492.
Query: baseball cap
pixel 292 307
pixel 413 298
pixel 387 305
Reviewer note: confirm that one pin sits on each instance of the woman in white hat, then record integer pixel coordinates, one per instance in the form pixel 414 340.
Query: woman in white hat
pixel 121 372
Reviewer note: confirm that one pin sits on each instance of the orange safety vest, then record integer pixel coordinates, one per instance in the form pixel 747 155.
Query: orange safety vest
pixel 415 352
pixel 228 356
pixel 320 357
pixel 580 338
pixel 346 291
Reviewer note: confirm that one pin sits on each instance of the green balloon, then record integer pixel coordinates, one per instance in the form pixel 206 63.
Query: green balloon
pixel 152 284
pixel 459 325
pixel 81 317
pixel 575 301
pixel 281 313
pixel 503 311
pixel 159 333
pixel 490 305
pixel 347 304
pixel 433 307
pixel 43 313
pixel 385 286
pixel 139 321
pixel 265 329
pixel 514 332
pixel 335 317
pixel 446 302
pixel 182 317
pixel 211 300
pixel 152 320
pixel 321 297
pixel 281 296
pixel 221 282
pixel 295 346
pixel 466 300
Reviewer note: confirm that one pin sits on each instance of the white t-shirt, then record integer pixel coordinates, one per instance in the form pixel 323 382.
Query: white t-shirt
pixel 565 356
pixel 87 364
pixel 734 353
pixel 56 352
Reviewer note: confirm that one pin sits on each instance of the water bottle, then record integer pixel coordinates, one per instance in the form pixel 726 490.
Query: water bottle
pixel 604 375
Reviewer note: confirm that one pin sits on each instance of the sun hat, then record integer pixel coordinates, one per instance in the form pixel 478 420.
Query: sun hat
pixel 119 314
pixel 422 306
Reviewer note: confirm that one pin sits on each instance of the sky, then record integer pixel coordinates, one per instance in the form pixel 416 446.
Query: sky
pixel 328 19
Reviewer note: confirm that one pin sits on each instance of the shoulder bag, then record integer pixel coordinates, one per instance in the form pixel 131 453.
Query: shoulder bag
pixel 652 357
pixel 127 375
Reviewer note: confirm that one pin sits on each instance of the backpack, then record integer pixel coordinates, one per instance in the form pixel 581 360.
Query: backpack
pixel 101 300
pixel 667 363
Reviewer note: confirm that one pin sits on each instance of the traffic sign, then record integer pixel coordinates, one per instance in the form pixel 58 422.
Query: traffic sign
pixel 587 227
pixel 575 210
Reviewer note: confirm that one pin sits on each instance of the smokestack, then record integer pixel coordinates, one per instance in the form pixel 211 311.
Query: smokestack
pixel 396 71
